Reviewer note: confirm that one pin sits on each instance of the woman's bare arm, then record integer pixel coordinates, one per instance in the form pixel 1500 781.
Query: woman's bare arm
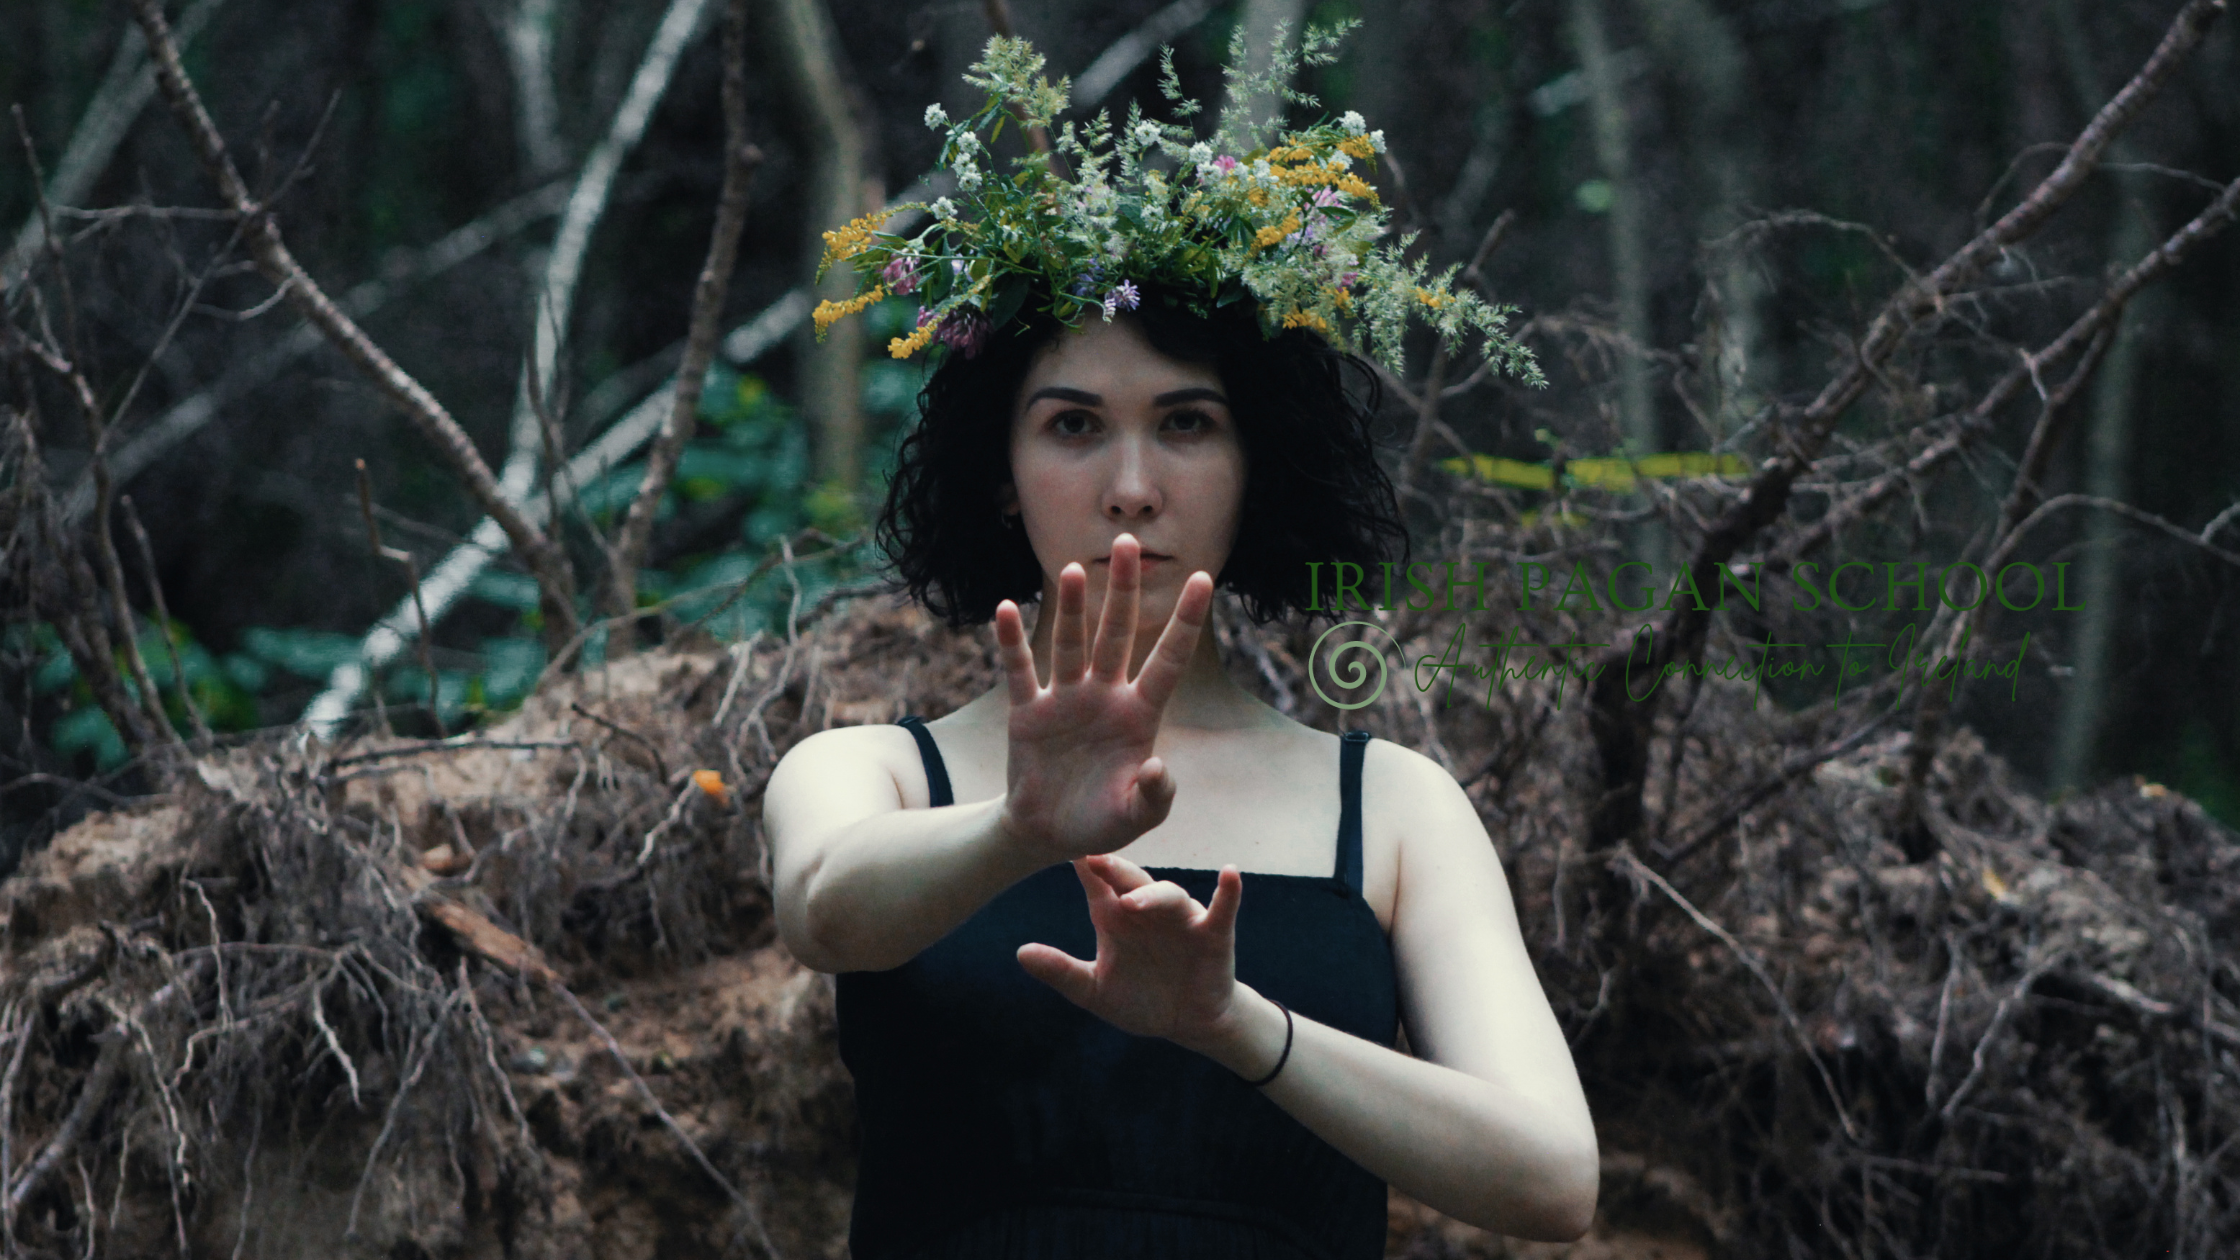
pixel 864 884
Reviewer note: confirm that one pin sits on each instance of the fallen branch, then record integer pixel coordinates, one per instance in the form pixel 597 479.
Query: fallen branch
pixel 1999 1016
pixel 187 417
pixel 628 551
pixel 502 948
pixel 1627 864
pixel 587 205
pixel 92 1096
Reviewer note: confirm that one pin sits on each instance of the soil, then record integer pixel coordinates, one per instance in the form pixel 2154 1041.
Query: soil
pixel 519 994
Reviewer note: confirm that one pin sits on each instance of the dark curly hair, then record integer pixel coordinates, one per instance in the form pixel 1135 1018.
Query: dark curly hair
pixel 1313 487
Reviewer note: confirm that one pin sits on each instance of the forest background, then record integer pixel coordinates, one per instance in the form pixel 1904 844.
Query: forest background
pixel 431 150
pixel 320 324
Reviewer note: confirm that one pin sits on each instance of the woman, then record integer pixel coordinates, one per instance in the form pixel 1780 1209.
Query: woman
pixel 1121 949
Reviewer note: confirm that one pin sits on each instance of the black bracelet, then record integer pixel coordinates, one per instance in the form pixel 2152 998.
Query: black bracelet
pixel 1283 1058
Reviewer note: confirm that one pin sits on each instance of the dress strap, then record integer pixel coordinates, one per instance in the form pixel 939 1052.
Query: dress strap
pixel 1351 746
pixel 937 772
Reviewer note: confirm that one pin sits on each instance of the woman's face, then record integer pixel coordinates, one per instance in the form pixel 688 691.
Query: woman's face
pixel 1110 437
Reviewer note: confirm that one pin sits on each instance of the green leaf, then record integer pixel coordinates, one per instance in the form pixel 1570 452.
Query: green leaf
pixel 310 654
pixel 84 730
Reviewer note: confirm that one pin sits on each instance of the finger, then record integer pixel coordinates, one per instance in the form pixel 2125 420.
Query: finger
pixel 1163 670
pixel 1074 979
pixel 1228 894
pixel 1069 642
pixel 1164 898
pixel 1116 624
pixel 1150 796
pixel 1097 883
pixel 1017 658
pixel 1121 874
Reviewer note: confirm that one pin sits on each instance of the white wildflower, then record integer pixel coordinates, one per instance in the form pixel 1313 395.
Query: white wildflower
pixel 1145 132
pixel 1201 153
pixel 944 210
pixel 1376 141
pixel 1353 122
pixel 937 117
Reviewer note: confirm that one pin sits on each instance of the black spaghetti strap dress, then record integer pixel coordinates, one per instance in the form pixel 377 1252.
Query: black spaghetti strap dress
pixel 999 1121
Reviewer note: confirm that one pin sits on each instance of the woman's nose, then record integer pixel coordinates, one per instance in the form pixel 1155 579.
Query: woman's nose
pixel 1132 493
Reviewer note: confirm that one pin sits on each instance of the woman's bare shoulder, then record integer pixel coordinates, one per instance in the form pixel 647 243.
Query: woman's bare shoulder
pixel 852 755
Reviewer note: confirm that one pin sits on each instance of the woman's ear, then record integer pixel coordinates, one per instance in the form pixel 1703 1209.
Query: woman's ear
pixel 1007 499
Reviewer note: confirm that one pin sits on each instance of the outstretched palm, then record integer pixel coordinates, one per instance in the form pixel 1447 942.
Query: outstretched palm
pixel 1081 775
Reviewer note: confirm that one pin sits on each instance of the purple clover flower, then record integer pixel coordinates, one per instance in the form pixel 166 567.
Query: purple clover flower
pixel 1123 297
pixel 901 274
pixel 966 330
pixel 1324 198
pixel 1225 164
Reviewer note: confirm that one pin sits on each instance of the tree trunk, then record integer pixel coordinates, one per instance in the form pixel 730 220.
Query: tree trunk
pixel 831 391
pixel 1629 254
pixel 2107 449
pixel 1699 48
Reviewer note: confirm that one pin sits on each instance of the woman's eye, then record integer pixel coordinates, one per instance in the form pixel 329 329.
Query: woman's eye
pixel 1190 421
pixel 1073 423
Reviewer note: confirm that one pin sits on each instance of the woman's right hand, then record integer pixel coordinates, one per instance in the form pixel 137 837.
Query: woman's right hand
pixel 1081 777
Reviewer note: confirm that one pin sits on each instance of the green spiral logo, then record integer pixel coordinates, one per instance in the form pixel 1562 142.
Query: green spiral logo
pixel 1349 674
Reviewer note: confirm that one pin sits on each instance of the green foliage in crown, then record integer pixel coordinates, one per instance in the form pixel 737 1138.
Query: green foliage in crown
pixel 1293 223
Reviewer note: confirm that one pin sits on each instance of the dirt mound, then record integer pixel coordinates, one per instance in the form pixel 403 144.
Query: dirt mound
pixel 519 994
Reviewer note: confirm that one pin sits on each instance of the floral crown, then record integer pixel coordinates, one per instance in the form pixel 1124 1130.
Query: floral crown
pixel 1292 223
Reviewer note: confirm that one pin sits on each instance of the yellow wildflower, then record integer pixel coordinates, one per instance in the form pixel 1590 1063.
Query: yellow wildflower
pixel 1257 196
pixel 1341 298
pixel 904 347
pixel 827 313
pixel 847 242
pixel 1357 147
pixel 1270 235
pixel 1433 300
pixel 1355 186
pixel 1306 319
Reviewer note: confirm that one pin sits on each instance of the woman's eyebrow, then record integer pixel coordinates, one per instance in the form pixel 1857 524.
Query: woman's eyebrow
pixel 1196 393
pixel 1082 396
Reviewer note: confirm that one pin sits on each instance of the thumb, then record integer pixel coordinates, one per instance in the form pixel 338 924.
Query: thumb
pixel 1153 795
pixel 1072 978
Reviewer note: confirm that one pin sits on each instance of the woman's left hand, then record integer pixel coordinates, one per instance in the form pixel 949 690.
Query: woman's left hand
pixel 1165 965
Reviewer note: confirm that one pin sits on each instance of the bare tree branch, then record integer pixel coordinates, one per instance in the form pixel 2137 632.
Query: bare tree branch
pixel 1621 728
pixel 108 118
pixel 449 580
pixel 545 560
